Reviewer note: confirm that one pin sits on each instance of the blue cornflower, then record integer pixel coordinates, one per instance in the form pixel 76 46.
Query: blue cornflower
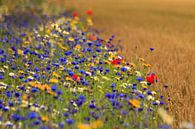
pixel 8 94
pixel 36 76
pixel 33 115
pixel 161 103
pixel 5 109
pixel 141 96
pixel 110 95
pixel 98 50
pixel 48 67
pixel 37 122
pixel 76 67
pixel 21 77
pixel 59 92
pixel 67 53
pixel 1 76
pixel 17 94
pixel 1 52
pixel 113 85
pixel 66 114
pixel 90 44
pixel 155 103
pixel 11 104
pixel 54 87
pixel 98 44
pixel 123 69
pixel 89 49
pixel 69 121
pixel 16 117
pixel 61 125
pixel 82 98
pixel 92 105
pixel 139 79
pixel 164 126
pixel 70 73
pixel 124 112
pixel 149 92
pixel 44 127
pixel 33 90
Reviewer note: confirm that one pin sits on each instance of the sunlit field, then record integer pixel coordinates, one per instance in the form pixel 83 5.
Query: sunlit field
pixel 168 27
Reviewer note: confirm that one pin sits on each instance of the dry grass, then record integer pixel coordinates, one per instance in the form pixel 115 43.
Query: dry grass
pixel 167 26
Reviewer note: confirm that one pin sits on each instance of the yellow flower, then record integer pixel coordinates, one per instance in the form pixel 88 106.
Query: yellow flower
pixel 132 65
pixel 146 65
pixel 44 118
pixel 26 42
pixel 78 47
pixel 81 89
pixel 62 47
pixel 47 31
pixel 165 116
pixel 106 78
pixel 89 22
pixel 20 52
pixel 66 32
pixel 135 103
pixel 55 74
pixel 96 124
pixel 83 126
pixel 107 62
pixel 141 59
pixel 53 80
pixel 31 83
pixel 27 65
pixel 24 97
pixel 71 39
pixel 21 72
pixel 144 86
pixel 68 79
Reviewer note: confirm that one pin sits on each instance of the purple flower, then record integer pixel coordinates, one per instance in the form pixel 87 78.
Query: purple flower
pixel 151 49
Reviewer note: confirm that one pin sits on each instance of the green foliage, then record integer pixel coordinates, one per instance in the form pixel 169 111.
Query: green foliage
pixel 10 6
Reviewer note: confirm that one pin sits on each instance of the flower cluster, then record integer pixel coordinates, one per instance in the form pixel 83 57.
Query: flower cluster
pixel 59 74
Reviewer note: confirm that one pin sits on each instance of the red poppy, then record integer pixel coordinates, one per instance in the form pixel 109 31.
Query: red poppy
pixel 116 61
pixel 152 78
pixel 89 12
pixel 76 77
pixel 75 14
pixel 92 38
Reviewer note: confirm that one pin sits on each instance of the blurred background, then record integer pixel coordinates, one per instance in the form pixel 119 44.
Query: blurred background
pixel 168 26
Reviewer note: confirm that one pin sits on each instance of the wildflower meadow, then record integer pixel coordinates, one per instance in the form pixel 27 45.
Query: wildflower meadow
pixel 57 72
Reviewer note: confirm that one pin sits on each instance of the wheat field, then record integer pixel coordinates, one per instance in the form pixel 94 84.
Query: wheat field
pixel 168 27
